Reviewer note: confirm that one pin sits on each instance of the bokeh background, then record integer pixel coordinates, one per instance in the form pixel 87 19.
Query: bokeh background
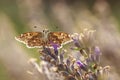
pixel 19 16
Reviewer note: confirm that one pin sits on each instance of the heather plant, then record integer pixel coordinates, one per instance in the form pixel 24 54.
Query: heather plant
pixel 79 61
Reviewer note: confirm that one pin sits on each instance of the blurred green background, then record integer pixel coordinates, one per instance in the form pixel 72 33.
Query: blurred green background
pixel 19 16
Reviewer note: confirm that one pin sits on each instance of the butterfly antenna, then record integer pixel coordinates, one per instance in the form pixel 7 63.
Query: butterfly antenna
pixel 45 29
pixel 44 26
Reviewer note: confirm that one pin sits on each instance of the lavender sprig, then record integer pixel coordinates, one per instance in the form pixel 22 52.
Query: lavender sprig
pixel 65 66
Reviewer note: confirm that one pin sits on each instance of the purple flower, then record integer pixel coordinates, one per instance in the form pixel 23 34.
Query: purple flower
pixel 68 62
pixel 77 44
pixel 82 66
pixel 80 63
pixel 97 53
pixel 97 50
pixel 55 46
pixel 75 38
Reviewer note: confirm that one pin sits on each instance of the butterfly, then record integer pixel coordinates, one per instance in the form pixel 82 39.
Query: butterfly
pixel 45 38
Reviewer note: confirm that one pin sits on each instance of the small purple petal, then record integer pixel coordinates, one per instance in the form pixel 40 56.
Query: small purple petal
pixel 80 63
pixel 97 50
pixel 75 38
pixel 68 62
pixel 97 54
pixel 77 44
pixel 55 46
pixel 82 66
pixel 88 60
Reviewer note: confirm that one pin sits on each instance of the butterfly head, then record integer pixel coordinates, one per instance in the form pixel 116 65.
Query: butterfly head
pixel 46 31
pixel 45 34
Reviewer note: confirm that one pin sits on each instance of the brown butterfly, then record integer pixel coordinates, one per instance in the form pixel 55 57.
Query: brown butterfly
pixel 45 38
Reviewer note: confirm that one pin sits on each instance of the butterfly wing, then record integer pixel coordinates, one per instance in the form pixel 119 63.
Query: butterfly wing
pixel 31 39
pixel 59 38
